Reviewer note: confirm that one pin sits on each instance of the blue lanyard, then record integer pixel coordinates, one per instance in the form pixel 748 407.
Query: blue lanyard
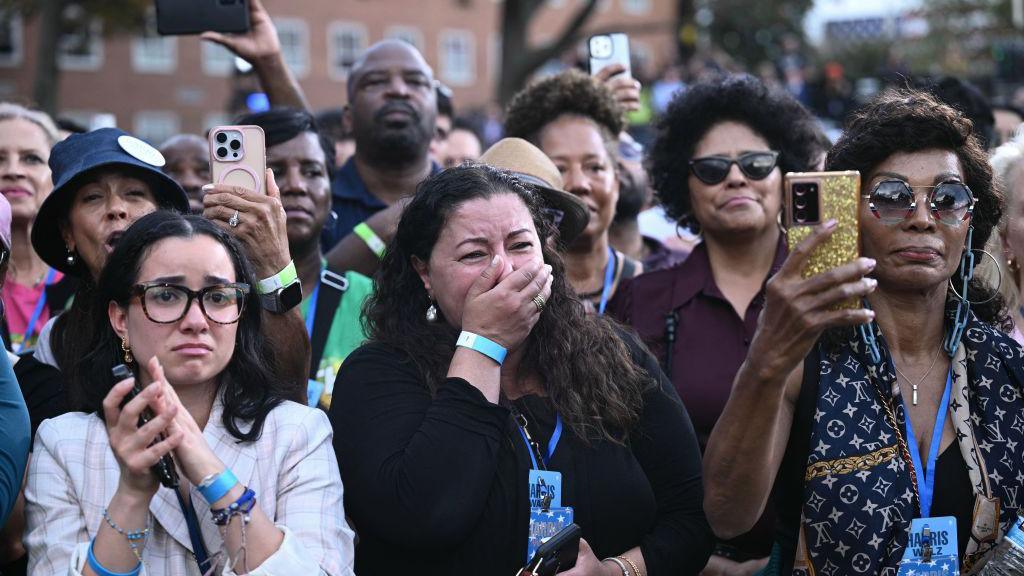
pixel 609 278
pixel 40 304
pixel 552 444
pixel 311 311
pixel 926 476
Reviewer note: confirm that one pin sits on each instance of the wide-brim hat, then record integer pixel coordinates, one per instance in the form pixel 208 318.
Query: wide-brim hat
pixel 536 170
pixel 72 161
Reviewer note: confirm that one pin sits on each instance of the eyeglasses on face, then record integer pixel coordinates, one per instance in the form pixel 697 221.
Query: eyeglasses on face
pixel 166 303
pixel 892 201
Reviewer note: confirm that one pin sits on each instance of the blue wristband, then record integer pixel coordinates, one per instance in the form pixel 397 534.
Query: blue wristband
pixel 101 571
pixel 485 346
pixel 214 488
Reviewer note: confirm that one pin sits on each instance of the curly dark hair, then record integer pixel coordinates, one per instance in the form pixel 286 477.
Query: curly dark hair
pixel 569 93
pixel 904 120
pixel 773 114
pixel 247 385
pixel 585 367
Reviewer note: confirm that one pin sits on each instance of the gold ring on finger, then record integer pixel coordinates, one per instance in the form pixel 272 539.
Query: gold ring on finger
pixel 540 302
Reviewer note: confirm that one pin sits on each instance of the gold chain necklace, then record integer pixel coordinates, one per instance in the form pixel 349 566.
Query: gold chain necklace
pixel 914 386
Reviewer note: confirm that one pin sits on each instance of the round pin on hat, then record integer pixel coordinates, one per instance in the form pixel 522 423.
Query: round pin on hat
pixel 141 151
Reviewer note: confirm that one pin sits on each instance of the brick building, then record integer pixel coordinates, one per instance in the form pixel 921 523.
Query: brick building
pixel 160 86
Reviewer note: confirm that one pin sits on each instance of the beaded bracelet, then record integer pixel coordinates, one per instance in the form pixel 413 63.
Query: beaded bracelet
pixel 133 536
pixel 240 507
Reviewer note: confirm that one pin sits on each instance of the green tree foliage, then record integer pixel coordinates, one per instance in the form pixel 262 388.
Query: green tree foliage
pixel 752 31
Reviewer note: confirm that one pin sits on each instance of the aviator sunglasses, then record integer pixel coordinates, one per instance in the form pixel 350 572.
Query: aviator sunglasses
pixel 893 201
pixel 755 165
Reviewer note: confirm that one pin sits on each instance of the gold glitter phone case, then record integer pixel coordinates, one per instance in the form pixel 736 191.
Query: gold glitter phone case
pixel 815 197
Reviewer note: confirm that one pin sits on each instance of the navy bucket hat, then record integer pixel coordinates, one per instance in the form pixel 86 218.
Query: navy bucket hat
pixel 75 159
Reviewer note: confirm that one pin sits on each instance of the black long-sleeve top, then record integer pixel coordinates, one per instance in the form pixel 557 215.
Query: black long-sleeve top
pixel 438 485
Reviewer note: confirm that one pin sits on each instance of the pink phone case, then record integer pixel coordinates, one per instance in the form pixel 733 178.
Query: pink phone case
pixel 246 170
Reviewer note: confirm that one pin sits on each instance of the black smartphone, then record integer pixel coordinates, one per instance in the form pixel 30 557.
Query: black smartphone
pixel 558 554
pixel 164 469
pixel 177 17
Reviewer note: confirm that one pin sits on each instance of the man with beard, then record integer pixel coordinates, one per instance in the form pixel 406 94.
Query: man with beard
pixel 392 109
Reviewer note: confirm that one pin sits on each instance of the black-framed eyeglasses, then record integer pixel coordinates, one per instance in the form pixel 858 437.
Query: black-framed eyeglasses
pixel 165 303
pixel 893 201
pixel 755 165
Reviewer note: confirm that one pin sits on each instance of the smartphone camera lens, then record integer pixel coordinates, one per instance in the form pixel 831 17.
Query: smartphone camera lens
pixel 222 152
pixel 236 144
pixel 222 138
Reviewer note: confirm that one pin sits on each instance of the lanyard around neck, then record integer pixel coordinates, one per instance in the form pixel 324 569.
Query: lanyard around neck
pixel 926 476
pixel 311 311
pixel 609 279
pixel 40 304
pixel 532 448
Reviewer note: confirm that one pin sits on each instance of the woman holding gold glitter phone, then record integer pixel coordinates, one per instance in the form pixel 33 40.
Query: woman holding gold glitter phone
pixel 717 165
pixel 893 432
pixel 257 488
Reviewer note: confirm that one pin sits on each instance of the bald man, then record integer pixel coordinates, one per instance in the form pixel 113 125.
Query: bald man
pixel 188 164
pixel 391 108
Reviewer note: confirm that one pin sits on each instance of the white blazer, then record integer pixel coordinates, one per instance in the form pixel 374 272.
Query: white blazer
pixel 291 467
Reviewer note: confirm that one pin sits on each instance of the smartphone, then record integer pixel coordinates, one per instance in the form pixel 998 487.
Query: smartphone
pixel 607 49
pixel 815 197
pixel 164 468
pixel 238 157
pixel 176 17
pixel 557 554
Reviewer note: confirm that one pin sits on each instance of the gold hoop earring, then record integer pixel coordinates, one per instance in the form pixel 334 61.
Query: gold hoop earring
pixel 995 292
pixel 128 358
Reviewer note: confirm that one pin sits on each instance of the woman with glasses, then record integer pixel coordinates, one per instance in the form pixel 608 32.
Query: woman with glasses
pixel 105 180
pixel 208 469
pixel 716 166
pixel 877 420
pixel 576 121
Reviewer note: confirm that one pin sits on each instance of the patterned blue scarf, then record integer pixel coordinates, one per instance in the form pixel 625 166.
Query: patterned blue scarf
pixel 858 493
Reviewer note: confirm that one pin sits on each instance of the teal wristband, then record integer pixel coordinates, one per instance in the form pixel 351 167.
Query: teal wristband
pixel 485 346
pixel 101 571
pixel 214 487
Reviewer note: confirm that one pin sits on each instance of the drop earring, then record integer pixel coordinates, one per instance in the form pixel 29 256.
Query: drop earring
pixel 431 313
pixel 128 358
pixel 71 260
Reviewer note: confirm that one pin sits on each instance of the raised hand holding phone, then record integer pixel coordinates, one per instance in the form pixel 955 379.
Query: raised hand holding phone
pixel 138 449
pixel 244 198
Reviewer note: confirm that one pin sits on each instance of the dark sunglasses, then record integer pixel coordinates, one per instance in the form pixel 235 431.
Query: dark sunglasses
pixel 755 165
pixel 893 201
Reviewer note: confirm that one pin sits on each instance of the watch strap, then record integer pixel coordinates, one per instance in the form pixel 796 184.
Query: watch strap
pixel 274 301
pixel 283 278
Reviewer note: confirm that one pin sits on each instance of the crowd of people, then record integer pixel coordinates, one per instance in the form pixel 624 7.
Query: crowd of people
pixel 410 354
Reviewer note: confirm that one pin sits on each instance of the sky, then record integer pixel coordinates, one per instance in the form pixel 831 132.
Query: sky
pixel 827 10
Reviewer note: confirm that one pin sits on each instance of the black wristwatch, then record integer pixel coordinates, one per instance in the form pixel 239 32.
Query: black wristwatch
pixel 282 291
pixel 283 299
